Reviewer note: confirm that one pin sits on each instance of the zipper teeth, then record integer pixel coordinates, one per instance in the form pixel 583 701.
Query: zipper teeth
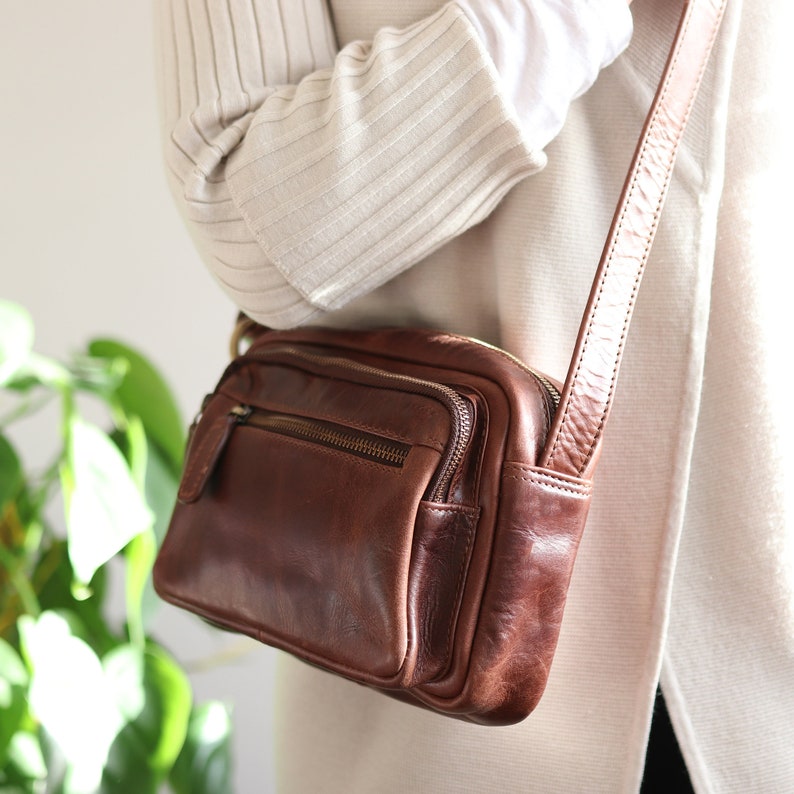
pixel 450 465
pixel 394 454
pixel 459 408
pixel 553 391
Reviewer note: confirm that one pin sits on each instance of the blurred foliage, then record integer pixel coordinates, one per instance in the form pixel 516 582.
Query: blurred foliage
pixel 87 706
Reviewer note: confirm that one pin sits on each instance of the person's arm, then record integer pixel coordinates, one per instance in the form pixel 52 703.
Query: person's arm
pixel 311 176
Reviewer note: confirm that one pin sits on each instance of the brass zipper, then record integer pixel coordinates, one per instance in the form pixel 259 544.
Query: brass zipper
pixel 551 390
pixel 327 434
pixel 459 408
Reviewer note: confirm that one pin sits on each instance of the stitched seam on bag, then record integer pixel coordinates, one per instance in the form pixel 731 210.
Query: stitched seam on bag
pixel 199 473
pixel 668 175
pixel 540 475
pixel 546 480
pixel 547 484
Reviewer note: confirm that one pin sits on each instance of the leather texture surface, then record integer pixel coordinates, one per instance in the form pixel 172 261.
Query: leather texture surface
pixel 439 572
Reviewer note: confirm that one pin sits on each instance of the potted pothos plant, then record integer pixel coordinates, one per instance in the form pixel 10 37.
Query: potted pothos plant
pixel 90 702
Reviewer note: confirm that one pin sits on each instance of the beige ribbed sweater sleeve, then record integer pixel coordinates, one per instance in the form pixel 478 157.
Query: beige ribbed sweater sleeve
pixel 310 176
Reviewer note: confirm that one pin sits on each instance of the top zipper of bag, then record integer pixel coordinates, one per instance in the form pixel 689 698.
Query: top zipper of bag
pixel 458 407
pixel 552 391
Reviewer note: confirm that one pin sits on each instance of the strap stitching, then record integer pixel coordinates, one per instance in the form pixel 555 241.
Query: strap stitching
pixel 643 260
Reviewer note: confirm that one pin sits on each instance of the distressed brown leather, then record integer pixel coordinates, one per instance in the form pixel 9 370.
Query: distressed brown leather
pixel 404 507
pixel 353 564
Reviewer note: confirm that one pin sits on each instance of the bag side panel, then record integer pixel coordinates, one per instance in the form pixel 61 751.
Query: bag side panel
pixel 540 524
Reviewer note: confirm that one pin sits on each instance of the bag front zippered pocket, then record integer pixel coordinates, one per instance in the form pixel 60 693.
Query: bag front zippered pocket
pixel 457 406
pixel 292 386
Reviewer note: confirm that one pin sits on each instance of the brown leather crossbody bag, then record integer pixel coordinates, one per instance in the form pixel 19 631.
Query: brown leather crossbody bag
pixel 403 507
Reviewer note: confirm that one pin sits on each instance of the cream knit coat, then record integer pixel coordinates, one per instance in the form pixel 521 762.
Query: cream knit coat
pixel 687 566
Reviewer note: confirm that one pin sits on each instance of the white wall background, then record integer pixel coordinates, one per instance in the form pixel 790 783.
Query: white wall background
pixel 91 244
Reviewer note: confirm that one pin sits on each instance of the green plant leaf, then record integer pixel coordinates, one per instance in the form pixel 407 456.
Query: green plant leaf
pixel 71 697
pixel 12 668
pixel 10 472
pixel 37 370
pixel 97 374
pixel 144 393
pixel 104 508
pixel 205 764
pixel 161 489
pixel 25 769
pixel 53 579
pixel 13 696
pixel 16 339
pixel 155 698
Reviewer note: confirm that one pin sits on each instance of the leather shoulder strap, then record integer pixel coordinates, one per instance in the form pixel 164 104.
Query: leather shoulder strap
pixel 589 388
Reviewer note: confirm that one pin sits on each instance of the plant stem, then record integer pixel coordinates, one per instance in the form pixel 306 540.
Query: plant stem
pixel 25 408
pixel 41 495
pixel 140 556
pixel 30 603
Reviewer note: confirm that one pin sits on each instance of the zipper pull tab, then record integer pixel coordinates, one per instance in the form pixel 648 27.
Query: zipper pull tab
pixel 240 413
pixel 210 436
